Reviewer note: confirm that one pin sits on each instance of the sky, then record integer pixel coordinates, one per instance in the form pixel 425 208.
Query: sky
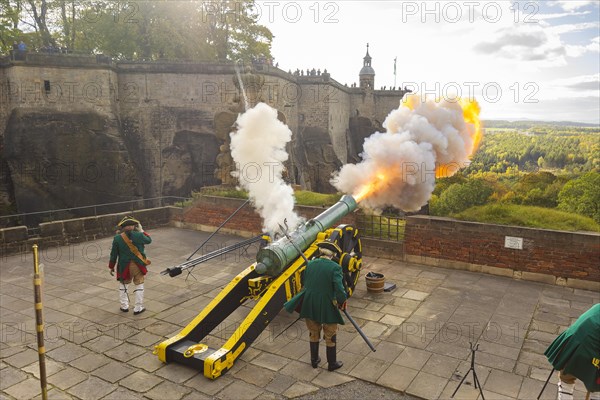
pixel 519 59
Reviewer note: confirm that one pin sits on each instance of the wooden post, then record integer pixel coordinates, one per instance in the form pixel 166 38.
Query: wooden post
pixel 39 319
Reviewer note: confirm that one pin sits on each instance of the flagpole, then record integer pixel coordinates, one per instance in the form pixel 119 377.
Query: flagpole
pixel 395 71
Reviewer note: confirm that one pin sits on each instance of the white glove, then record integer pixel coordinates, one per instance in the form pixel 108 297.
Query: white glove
pixel 139 228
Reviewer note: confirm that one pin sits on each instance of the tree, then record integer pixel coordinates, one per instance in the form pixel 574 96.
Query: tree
pixel 582 196
pixel 234 33
pixel 206 30
pixel 39 12
pixel 540 162
pixel 9 23
pixel 459 197
pixel 441 184
pixel 143 30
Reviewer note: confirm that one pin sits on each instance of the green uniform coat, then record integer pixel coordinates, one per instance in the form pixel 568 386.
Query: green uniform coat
pixel 574 350
pixel 322 285
pixel 121 251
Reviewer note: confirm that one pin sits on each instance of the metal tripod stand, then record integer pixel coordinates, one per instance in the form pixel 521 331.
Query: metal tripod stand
pixel 474 348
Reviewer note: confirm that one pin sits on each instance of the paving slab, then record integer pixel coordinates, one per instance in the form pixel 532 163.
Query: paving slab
pixel 421 331
pixel 26 389
pixel 10 376
pixel 92 388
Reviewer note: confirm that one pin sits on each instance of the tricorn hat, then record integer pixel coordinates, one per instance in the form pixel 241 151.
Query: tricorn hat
pixel 330 246
pixel 128 220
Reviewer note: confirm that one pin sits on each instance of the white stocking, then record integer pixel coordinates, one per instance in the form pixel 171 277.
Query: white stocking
pixel 123 297
pixel 565 390
pixel 139 297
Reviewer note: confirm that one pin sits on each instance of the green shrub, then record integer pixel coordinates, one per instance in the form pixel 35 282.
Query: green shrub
pixel 582 196
pixel 306 198
pixel 460 196
pixel 529 216
pixel 223 192
pixel 303 197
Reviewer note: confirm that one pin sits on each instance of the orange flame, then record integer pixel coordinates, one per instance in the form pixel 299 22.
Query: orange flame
pixel 370 187
pixel 410 101
pixel 471 115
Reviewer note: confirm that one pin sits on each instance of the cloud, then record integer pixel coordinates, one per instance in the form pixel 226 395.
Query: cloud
pixel 571 5
pixel 520 39
pixel 579 50
pixel 554 53
pixel 577 83
pixel 567 28
pixel 538 43
pixel 561 15
pixel 532 44
pixel 586 85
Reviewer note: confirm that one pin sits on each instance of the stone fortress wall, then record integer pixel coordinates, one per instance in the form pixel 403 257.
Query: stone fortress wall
pixel 79 130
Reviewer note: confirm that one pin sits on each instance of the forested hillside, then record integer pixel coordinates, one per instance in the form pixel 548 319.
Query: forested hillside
pixel 531 164
pixel 538 146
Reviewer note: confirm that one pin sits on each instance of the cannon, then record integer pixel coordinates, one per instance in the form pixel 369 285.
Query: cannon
pixel 274 278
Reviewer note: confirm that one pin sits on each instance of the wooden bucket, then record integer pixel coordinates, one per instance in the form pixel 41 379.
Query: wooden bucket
pixel 375 282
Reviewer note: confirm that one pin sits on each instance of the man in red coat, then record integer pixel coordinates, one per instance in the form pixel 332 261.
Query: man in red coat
pixel 128 247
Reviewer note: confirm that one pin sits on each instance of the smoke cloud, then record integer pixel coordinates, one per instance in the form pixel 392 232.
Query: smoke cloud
pixel 422 140
pixel 258 149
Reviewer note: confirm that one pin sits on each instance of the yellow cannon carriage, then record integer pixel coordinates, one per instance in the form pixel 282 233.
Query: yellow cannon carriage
pixel 272 280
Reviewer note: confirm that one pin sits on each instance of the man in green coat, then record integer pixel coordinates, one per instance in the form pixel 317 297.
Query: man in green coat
pixel 320 302
pixel 128 247
pixel 575 353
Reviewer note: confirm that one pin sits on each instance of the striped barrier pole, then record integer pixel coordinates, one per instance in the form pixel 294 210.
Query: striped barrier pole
pixel 39 319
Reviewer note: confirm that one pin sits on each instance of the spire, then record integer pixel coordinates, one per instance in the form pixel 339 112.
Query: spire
pixel 367 58
pixel 367 73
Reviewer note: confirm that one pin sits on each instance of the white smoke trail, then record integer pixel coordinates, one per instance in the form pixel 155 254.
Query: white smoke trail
pixel 242 89
pixel 258 149
pixel 398 168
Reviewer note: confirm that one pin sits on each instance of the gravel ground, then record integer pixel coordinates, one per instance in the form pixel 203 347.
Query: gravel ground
pixel 357 390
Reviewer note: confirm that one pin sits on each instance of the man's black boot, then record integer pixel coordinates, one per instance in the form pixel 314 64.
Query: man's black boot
pixel 331 359
pixel 314 354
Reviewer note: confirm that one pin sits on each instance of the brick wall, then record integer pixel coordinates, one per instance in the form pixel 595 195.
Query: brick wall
pixel 558 255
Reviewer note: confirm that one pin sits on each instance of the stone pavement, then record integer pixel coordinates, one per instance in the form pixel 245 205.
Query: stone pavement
pixel 421 331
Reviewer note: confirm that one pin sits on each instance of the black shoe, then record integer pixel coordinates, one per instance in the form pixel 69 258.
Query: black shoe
pixel 314 354
pixel 139 312
pixel 124 309
pixel 333 364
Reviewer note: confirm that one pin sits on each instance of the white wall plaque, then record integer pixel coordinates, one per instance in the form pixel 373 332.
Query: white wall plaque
pixel 511 242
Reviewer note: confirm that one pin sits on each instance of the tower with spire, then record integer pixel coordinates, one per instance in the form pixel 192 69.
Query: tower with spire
pixel 367 73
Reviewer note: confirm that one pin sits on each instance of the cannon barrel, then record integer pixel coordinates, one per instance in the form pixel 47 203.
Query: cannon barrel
pixel 274 258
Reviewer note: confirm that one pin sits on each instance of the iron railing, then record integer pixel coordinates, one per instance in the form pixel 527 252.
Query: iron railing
pixel 383 227
pixel 32 219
